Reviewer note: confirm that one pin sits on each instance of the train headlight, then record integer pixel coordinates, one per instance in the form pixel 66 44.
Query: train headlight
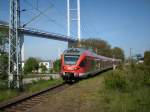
pixel 76 68
pixel 64 68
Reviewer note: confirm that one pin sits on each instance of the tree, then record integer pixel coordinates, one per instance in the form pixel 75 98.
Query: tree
pixel 31 65
pixel 3 53
pixel 147 58
pixel 3 39
pixel 57 65
pixel 100 46
pixel 3 66
pixel 118 53
pixel 43 68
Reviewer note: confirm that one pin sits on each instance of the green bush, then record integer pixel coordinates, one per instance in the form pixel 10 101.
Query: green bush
pixel 32 64
pixel 134 81
pixel 140 76
pixel 130 79
pixel 147 58
pixel 3 84
pixel 146 80
pixel 115 80
pixel 43 68
pixel 3 66
pixel 50 77
pixel 57 66
pixel 120 67
pixel 50 70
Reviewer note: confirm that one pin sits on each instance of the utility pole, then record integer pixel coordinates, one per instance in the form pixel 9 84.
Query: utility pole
pixel 15 44
pixel 76 12
pixel 130 55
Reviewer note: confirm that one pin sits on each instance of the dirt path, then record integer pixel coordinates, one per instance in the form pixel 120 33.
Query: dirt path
pixel 81 97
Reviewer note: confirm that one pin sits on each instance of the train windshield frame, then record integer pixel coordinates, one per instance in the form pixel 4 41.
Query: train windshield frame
pixel 71 59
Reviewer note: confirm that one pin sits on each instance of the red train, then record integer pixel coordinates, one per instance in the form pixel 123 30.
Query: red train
pixel 79 63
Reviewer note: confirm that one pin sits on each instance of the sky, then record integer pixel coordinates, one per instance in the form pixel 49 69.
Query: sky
pixel 122 23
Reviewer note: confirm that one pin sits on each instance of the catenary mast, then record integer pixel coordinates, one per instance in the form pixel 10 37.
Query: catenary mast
pixel 15 44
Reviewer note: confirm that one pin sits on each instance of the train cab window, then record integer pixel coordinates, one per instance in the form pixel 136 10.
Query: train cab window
pixel 71 59
pixel 83 63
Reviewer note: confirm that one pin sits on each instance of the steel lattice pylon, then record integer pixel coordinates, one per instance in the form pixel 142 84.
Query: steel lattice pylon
pixel 15 44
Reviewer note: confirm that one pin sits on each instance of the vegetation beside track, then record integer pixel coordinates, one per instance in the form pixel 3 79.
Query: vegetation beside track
pixel 121 90
pixel 127 90
pixel 36 86
pixel 124 90
pixel 6 94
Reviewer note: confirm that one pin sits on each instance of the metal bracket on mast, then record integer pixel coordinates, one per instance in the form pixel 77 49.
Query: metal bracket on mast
pixel 15 44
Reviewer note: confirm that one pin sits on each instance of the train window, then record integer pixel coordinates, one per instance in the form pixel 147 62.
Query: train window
pixel 83 63
pixel 71 59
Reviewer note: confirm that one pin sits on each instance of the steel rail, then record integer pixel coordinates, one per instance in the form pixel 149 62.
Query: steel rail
pixel 32 98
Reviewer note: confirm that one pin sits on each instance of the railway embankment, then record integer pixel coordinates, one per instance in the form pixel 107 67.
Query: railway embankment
pixel 123 90
pixel 34 86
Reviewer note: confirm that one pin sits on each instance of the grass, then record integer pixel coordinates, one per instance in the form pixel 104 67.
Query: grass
pixel 127 90
pixel 36 86
pixel 116 80
pixel 133 101
pixel 6 94
pixel 122 90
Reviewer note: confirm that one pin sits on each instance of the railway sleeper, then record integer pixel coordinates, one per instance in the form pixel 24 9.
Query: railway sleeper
pixel 12 110
pixel 27 103
pixel 24 106
pixel 16 109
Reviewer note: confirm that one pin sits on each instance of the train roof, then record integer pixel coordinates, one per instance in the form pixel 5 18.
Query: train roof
pixel 74 51
pixel 79 51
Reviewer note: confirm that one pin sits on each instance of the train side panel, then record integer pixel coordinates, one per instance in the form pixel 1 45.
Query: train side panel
pixel 77 65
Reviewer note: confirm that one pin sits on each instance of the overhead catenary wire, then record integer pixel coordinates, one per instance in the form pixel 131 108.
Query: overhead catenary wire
pixel 37 16
pixel 90 27
pixel 85 30
pixel 88 32
pixel 43 13
pixel 60 13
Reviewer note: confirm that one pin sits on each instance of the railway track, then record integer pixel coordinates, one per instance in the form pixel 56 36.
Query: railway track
pixel 27 102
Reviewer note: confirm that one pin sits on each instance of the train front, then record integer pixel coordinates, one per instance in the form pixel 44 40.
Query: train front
pixel 70 68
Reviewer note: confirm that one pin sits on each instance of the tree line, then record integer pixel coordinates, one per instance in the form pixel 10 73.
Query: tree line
pixel 101 47
pixel 32 66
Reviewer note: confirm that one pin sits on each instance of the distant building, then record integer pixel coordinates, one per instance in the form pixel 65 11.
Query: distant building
pixel 23 62
pixel 47 63
pixel 140 61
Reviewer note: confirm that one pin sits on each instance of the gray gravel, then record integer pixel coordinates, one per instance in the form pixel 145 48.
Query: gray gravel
pixel 30 80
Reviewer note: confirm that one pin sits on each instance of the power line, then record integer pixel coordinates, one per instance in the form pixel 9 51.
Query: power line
pixel 73 33
pixel 91 28
pixel 35 17
pixel 87 28
pixel 87 32
pixel 42 13
pixel 57 9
